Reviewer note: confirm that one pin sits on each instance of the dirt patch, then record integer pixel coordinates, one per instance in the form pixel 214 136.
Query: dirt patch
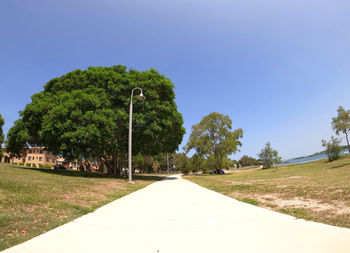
pixel 230 182
pixel 97 193
pixel 274 200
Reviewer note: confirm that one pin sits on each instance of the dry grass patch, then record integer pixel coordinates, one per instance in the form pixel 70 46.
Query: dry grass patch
pixel 318 191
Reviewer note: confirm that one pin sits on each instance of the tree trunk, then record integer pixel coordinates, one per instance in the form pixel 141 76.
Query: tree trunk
pixel 347 140
pixel 81 166
pixel 88 166
pixel 167 163
pixel 114 159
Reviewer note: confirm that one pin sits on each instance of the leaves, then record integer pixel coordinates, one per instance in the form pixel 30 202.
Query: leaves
pixel 341 123
pixel 213 138
pixel 269 156
pixel 333 148
pixel 85 114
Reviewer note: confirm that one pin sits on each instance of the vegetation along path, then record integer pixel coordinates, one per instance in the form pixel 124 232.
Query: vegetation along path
pixel 175 215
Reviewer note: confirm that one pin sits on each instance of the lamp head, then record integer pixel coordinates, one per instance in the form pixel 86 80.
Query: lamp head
pixel 141 97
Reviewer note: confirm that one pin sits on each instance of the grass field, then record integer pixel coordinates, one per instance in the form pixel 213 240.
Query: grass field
pixel 318 191
pixel 33 201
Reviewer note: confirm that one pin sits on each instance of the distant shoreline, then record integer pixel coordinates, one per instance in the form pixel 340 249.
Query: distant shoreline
pixel 310 158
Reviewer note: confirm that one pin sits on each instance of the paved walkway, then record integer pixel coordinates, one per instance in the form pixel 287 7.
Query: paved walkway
pixel 175 215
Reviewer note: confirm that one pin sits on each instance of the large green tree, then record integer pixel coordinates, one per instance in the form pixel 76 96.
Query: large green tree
pixel 214 139
pixel 84 114
pixel 341 123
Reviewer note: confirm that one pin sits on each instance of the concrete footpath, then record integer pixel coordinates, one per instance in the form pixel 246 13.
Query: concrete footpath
pixel 175 215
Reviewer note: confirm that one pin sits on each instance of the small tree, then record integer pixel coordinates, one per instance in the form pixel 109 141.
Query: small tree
pixel 247 161
pixel 333 148
pixel 269 156
pixel 341 124
pixel 182 162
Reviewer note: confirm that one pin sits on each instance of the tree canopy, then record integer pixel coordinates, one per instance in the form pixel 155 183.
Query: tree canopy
pixel 333 148
pixel 214 139
pixel 269 156
pixel 341 123
pixel 84 114
pixel 248 161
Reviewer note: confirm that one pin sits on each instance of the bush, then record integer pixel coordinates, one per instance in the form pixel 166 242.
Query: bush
pixel 34 165
pixel 21 164
pixel 15 163
pixel 333 148
pixel 42 166
pixel 28 164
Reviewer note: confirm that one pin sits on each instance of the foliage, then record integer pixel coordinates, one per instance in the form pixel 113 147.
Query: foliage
pixel 196 163
pixel 214 139
pixel 269 156
pixel 84 114
pixel 333 148
pixel 138 162
pixel 248 161
pixel 17 138
pixel 155 166
pixel 341 123
pixel 182 163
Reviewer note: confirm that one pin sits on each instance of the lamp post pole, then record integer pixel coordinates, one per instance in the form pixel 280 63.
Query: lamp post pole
pixel 140 97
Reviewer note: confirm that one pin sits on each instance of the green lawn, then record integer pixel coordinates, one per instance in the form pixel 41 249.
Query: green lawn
pixel 318 191
pixel 33 201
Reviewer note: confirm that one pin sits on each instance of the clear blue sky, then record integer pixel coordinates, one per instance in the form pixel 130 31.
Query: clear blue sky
pixel 279 69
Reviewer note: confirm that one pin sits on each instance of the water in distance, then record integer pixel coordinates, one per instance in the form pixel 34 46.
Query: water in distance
pixel 311 158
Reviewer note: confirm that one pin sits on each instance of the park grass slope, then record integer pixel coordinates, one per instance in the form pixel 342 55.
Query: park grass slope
pixel 33 201
pixel 317 191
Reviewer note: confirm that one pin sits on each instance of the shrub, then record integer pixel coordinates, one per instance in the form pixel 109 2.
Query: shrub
pixel 42 166
pixel 15 163
pixel 33 165
pixel 28 164
pixel 333 148
pixel 21 164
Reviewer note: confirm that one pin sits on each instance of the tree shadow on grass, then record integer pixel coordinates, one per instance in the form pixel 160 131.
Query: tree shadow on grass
pixel 339 166
pixel 74 173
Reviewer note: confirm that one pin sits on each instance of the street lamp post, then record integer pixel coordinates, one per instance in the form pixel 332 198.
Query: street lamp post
pixel 140 97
